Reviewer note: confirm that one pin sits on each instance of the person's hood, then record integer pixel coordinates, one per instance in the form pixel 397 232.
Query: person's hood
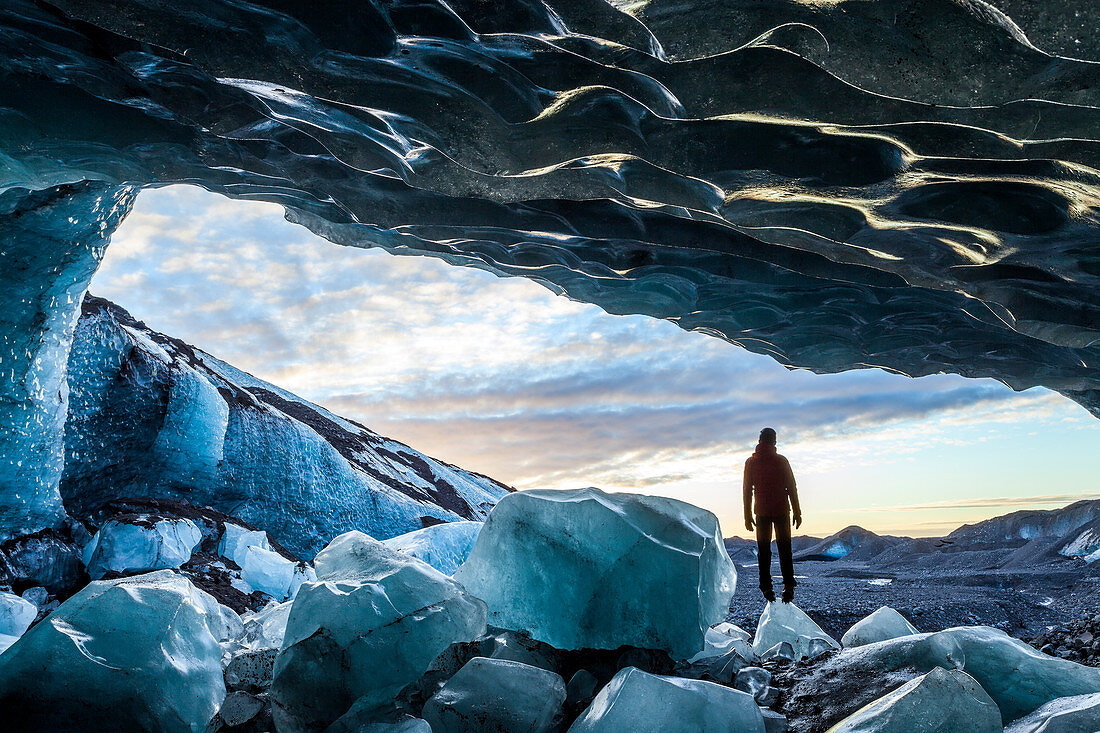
pixel 765 449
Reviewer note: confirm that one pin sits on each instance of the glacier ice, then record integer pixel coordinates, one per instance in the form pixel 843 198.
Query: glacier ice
pixel 443 546
pixel 497 696
pixel 134 545
pixel 883 624
pixel 236 540
pixel 177 423
pixel 16 614
pixel 1016 676
pixel 717 644
pixel 636 700
pixel 786 622
pixel 732 630
pixel 753 681
pixel 265 629
pixel 135 651
pixel 352 722
pixel 585 568
pixel 270 572
pixel 370 625
pixel 52 239
pixel 941 701
pixel 1063 715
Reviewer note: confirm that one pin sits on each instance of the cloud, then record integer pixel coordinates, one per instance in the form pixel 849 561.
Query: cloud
pixel 999 502
pixel 502 376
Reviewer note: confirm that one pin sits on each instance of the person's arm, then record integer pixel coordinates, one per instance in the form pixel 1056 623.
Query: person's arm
pixel 746 495
pixel 792 492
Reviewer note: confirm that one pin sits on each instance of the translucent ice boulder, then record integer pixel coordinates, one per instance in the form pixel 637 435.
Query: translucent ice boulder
pixel 270 572
pixel 236 540
pixel 265 629
pixel 942 701
pixel 443 546
pixel 883 624
pixel 137 546
pixel 371 625
pixel 497 696
pixel 1064 715
pixel 134 653
pixel 717 644
pixel 787 622
pixel 584 568
pixel 638 701
pixel 16 614
pixel 732 630
pixel 1017 677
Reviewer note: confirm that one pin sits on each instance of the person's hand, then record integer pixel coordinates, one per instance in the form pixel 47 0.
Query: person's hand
pixel 749 524
pixel 797 521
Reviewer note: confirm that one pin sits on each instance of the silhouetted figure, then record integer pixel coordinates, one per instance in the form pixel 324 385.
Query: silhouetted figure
pixel 768 476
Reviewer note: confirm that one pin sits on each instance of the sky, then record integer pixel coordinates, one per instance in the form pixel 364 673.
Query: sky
pixel 501 376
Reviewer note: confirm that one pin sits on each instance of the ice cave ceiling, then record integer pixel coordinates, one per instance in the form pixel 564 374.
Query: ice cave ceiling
pixel 909 184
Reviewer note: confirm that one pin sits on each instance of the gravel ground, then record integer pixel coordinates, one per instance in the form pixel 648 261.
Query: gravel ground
pixel 1023 603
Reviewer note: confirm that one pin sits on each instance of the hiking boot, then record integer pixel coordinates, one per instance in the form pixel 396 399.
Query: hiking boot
pixel 769 594
pixel 788 593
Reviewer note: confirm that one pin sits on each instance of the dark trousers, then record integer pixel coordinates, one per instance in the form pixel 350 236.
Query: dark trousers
pixel 764 549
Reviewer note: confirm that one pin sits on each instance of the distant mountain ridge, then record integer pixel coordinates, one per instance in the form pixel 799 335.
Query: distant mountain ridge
pixel 1025 536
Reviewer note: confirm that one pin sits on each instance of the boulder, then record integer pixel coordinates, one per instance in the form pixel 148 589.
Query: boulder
pixel 137 545
pixel 883 624
pixel 371 625
pixel 269 572
pixel 1016 676
pixel 753 680
pixel 638 701
pixel 942 701
pixel 786 622
pixel 16 614
pixel 235 540
pixel 265 629
pixel 134 654
pixel 732 630
pixel 443 546
pixel 587 569
pixel 354 722
pixel 1063 715
pixel 498 696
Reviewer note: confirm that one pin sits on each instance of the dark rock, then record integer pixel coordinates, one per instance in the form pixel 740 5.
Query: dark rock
pixel 251 671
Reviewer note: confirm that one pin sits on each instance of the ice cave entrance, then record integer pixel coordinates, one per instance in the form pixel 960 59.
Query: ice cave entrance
pixel 503 377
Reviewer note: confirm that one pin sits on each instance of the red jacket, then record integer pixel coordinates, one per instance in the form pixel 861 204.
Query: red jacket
pixel 768 475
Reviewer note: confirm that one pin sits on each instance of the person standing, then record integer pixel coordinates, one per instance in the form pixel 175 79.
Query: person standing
pixel 769 478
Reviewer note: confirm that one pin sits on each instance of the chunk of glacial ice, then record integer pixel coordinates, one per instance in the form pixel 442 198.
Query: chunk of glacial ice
pixel 944 701
pixel 123 546
pixel 638 701
pixel 236 540
pixel 497 696
pixel 883 624
pixel 1064 715
pixel 717 644
pixel 787 622
pixel 587 569
pixel 1018 677
pixel 352 722
pixel 270 572
pixel 443 546
pixel 16 614
pixel 732 630
pixel 371 625
pixel 136 652
pixel 265 629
